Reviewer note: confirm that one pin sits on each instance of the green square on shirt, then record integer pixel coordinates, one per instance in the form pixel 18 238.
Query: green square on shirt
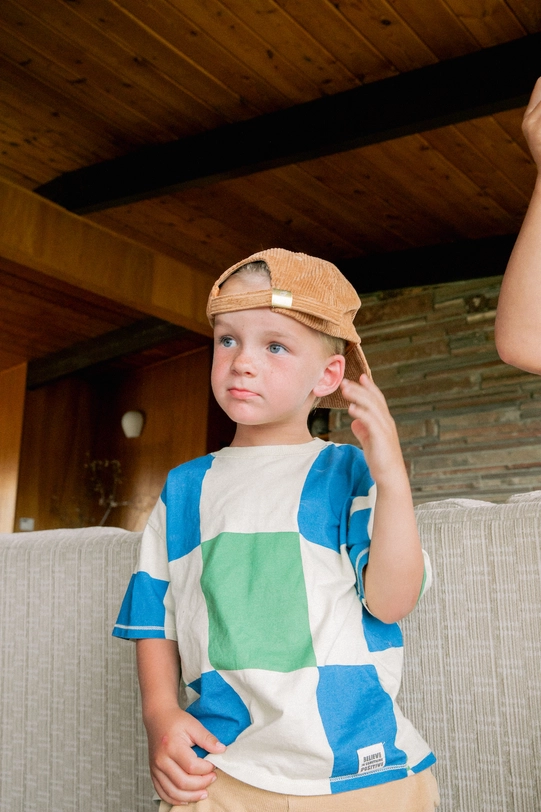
pixel 254 588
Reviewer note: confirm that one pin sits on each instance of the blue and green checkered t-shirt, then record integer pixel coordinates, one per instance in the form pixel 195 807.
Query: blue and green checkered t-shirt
pixel 252 560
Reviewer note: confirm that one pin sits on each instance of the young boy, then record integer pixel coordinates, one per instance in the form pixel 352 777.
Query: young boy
pixel 272 574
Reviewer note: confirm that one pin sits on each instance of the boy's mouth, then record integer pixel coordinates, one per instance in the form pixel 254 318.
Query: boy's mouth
pixel 242 394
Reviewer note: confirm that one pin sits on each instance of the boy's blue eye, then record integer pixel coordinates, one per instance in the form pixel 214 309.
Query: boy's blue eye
pixel 276 348
pixel 227 341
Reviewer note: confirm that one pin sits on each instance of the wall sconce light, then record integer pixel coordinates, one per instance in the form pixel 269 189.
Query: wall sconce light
pixel 132 423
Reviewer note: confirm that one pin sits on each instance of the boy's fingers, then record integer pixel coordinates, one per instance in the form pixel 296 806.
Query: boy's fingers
pixel 181 764
pixel 204 738
pixel 212 745
pixel 359 430
pixel 191 764
pixel 364 392
pixel 179 797
pixel 364 382
pixel 173 783
pixel 351 388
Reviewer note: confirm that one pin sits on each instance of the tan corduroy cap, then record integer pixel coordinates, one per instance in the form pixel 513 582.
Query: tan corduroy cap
pixel 308 289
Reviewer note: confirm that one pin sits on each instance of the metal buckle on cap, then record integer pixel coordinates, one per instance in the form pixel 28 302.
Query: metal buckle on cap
pixel 281 298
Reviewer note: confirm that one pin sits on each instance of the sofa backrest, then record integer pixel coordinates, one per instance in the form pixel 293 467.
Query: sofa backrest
pixel 472 677
pixel 71 736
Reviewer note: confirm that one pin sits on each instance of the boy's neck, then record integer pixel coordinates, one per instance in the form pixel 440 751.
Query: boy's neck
pixel 270 435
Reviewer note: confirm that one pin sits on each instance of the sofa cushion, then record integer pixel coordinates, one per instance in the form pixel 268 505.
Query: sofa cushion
pixel 472 679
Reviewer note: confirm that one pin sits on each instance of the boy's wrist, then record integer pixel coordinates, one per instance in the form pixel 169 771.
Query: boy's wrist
pixel 158 702
pixel 393 481
pixel 153 711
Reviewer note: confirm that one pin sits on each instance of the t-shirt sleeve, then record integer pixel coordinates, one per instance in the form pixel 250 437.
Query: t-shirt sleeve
pixel 359 535
pixel 147 609
pixel 359 529
pixel 427 576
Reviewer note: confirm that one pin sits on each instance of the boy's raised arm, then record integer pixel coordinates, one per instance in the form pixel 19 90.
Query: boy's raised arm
pixel 518 318
pixel 179 776
pixel 394 573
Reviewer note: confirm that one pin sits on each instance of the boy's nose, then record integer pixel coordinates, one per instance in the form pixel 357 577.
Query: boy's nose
pixel 244 362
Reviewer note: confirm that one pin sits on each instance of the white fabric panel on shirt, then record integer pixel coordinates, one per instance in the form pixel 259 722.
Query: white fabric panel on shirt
pixel 191 614
pixel 388 664
pixel 153 555
pixel 363 503
pixel 277 477
pixel 409 740
pixel 296 692
pixel 334 610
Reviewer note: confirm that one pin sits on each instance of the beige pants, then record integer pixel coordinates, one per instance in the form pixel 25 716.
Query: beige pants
pixel 417 793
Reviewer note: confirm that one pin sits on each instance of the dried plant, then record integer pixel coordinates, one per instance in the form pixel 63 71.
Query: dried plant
pixel 104 478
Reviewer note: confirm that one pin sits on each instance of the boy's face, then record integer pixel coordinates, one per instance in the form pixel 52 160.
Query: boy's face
pixel 266 366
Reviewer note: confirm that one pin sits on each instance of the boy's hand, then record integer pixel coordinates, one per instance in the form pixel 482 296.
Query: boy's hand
pixel 394 573
pixel 531 124
pixel 375 429
pixel 179 776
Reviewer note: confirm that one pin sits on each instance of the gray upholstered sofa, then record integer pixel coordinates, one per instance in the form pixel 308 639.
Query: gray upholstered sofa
pixel 71 739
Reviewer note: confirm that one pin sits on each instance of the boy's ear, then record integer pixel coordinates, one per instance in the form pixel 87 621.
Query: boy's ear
pixel 332 376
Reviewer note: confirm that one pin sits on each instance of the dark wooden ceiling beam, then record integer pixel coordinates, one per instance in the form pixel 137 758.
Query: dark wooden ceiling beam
pixel 478 84
pixel 429 265
pixel 140 335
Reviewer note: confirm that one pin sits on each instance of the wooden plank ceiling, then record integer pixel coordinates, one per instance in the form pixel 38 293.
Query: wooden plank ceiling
pixel 87 81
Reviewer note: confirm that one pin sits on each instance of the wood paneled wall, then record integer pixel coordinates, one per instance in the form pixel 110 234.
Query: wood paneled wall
pixel 174 397
pixel 12 392
pixel 57 434
pixel 75 420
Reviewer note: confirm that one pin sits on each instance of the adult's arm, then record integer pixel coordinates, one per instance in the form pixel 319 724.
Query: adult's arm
pixel 518 318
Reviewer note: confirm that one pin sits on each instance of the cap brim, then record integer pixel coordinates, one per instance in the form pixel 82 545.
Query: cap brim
pixel 356 364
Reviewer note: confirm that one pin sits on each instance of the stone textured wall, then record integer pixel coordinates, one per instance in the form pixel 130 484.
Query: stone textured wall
pixel 470 426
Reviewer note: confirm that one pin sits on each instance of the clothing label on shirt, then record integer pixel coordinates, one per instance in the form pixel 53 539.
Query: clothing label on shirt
pixel 371 758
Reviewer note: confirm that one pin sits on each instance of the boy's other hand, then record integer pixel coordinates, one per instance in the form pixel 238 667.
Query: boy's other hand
pixel 179 776
pixel 531 124
pixel 374 428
